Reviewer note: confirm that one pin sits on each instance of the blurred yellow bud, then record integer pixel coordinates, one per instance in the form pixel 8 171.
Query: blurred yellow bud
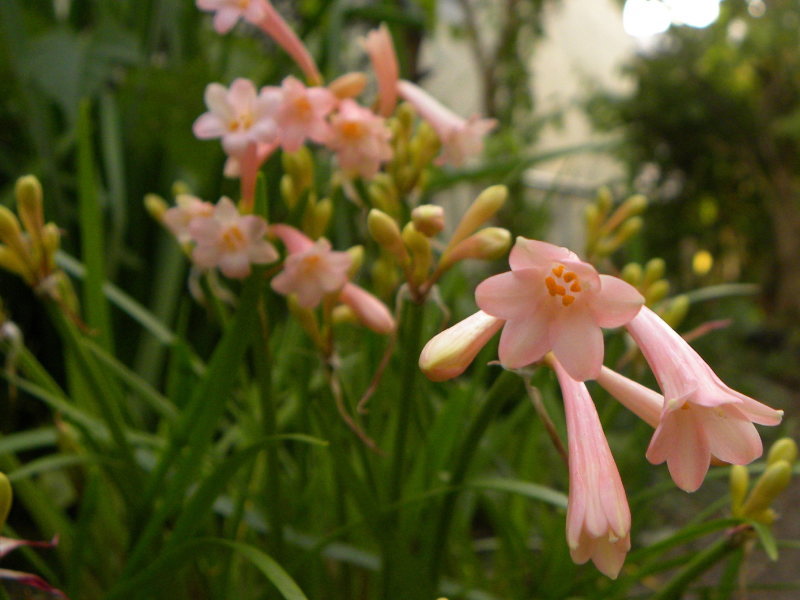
pixel 702 262
pixel 299 166
pixel 316 217
pixel 383 193
pixel 348 85
pixel 592 216
pixel 28 192
pixel 676 311
pixel 632 273
pixel 656 292
pixel 9 229
pixel 288 192
pixel 783 449
pixel 385 275
pixel 767 516
pixel 635 205
pixel 604 202
pixel 51 242
pixel 386 233
pixel 421 256
pixel 489 243
pixel 772 482
pixel 488 202
pixel 10 261
pixel 356 260
pixel 739 484
pixel 343 314
pixel 156 206
pixel 428 219
pixel 6 498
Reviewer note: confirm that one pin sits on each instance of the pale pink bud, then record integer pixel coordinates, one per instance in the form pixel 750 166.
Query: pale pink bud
pixel 379 46
pixel 428 219
pixel 450 352
pixel 371 312
pixel 228 12
pixel 348 85
pixel 598 517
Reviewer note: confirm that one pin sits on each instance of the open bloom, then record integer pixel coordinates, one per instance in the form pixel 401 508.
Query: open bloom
pixel 553 301
pixel 178 217
pixel 228 12
pixel 701 416
pixel 598 516
pixel 461 138
pixel 313 273
pixel 360 139
pixel 237 115
pixel 379 46
pixel 301 112
pixel 230 241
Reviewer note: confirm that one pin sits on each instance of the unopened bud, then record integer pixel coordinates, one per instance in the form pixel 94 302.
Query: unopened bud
pixel 783 449
pixel 635 205
pixel 356 260
pixel 156 206
pixel 404 115
pixel 10 232
pixel 386 233
pixel 383 193
pixel 180 188
pixel 421 256
pixel 489 243
pixel 385 275
pixel 424 146
pixel 428 219
pixel 6 498
pixel 772 482
pixel 604 202
pixel 306 318
pixel 28 191
pixel 632 273
pixel 677 310
pixel 656 292
pixel 288 192
pixel 739 484
pixel 488 202
pixel 316 218
pixel 343 314
pixel 299 166
pixel 767 516
pixel 51 242
pixel 654 270
pixel 592 216
pixel 348 85
pixel 10 261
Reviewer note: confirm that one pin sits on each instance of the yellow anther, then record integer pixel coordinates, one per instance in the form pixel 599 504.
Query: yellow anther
pixel 233 238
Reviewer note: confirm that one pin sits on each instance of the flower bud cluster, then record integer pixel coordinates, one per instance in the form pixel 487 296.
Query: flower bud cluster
pixel 608 228
pixel 757 505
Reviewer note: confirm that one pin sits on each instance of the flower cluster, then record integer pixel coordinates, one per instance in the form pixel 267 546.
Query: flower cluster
pixel 551 307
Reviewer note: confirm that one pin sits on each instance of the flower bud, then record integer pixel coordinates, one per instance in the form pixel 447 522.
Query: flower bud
pixel 288 192
pixel 371 312
pixel 51 242
pixel 635 205
pixel 10 232
pixel 28 191
pixel 299 166
pixel 383 193
pixel 156 206
pixel 656 292
pixel 488 202
pixel 677 310
pixel 450 352
pixel 772 482
pixel 316 217
pixel 421 255
pixel 654 270
pixel 632 273
pixel 489 243
pixel 386 233
pixel 428 219
pixel 348 85
pixel 6 498
pixel 739 484
pixel 604 202
pixel 783 449
pixel 767 516
pixel 343 314
pixel 385 275
pixel 10 261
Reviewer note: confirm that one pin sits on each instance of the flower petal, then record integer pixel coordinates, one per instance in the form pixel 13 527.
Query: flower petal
pixel 513 294
pixel 680 440
pixel 528 254
pixel 577 343
pixel 616 303
pixel 732 437
pixel 524 341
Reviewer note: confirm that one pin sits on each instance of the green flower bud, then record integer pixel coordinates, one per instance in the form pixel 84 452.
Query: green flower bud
pixel 386 233
pixel 488 202
pixel 28 191
pixel 656 292
pixel 428 219
pixel 783 449
pixel 632 273
pixel 156 206
pixel 739 484
pixel 6 498
pixel 654 270
pixel 772 482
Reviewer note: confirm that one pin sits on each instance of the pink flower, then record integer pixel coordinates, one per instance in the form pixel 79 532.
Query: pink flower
pixel 178 217
pixel 640 400
pixel 313 274
pixel 228 12
pixel 238 116
pixel 461 138
pixel 360 139
pixel 553 301
pixel 301 113
pixel 701 415
pixel 450 352
pixel 598 517
pixel 379 46
pixel 278 29
pixel 230 241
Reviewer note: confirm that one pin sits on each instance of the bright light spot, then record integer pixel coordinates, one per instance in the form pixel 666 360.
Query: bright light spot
pixel 695 13
pixel 702 261
pixel 644 18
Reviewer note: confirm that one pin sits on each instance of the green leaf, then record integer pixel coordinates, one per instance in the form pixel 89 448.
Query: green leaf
pixel 523 488
pixel 767 539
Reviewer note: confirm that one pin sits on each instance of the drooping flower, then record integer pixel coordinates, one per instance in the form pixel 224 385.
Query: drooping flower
pixel 637 398
pixel 238 115
pixel 702 417
pixel 553 301
pixel 228 12
pixel 450 352
pixel 230 240
pixel 360 139
pixel 598 516
pixel 301 113
pixel 313 273
pixel 379 46
pixel 461 138
pixel 178 217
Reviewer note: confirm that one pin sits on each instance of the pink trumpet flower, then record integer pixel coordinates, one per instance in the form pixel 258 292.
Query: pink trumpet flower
pixel 178 217
pixel 379 46
pixel 598 516
pixel 301 113
pixel 553 301
pixel 702 417
pixel 228 12
pixel 360 139
pixel 230 241
pixel 313 273
pixel 450 352
pixel 461 138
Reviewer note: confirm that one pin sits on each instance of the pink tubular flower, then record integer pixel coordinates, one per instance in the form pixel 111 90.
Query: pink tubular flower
pixel 313 274
pixel 553 301
pixel 450 352
pixel 188 207
pixel 278 29
pixel 228 12
pixel 237 115
pixel 701 415
pixel 598 517
pixel 640 400
pixel 379 46
pixel 230 240
pixel 301 113
pixel 360 139
pixel 461 138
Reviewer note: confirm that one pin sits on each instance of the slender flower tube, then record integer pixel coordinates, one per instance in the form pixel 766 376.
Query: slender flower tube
pixel 461 138
pixel 701 416
pixel 598 517
pixel 313 274
pixel 553 301
pixel 274 25
pixel 450 352
pixel 379 46
pixel 360 139
pixel 640 400
pixel 230 241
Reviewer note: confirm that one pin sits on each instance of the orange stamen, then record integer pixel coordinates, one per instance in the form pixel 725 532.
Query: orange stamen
pixel 557 271
pixel 567 300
